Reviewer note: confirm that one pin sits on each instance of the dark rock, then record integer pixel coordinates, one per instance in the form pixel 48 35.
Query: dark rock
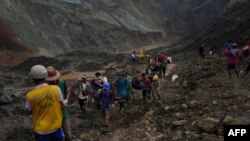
pixel 6 99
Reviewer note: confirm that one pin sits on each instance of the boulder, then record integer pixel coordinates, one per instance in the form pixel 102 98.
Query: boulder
pixel 207 126
pixel 184 106
pixel 167 108
pixel 214 102
pixel 228 119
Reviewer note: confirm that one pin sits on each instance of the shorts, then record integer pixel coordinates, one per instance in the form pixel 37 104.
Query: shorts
pixel 66 128
pixel 55 136
pixel 232 66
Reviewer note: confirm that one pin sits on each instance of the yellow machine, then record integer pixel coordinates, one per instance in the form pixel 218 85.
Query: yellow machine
pixel 140 53
pixel 142 56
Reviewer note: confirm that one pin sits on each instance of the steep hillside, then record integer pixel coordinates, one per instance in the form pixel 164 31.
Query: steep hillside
pixel 11 51
pixel 233 24
pixel 55 26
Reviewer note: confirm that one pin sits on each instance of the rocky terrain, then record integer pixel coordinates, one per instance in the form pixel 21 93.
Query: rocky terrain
pixel 194 107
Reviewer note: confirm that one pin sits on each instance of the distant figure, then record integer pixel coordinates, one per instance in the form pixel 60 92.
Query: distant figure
pixel 201 51
pixel 245 50
pixel 133 56
pixel 169 60
pixel 246 54
pixel 233 55
pixel 161 57
pixel 210 53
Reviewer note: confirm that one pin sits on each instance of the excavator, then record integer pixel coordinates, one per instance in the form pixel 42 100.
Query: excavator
pixel 142 55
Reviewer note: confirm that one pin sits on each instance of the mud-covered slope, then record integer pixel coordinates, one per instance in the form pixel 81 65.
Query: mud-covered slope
pixel 11 51
pixel 233 24
pixel 55 26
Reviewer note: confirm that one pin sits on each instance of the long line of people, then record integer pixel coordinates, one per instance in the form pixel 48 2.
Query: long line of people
pixel 48 101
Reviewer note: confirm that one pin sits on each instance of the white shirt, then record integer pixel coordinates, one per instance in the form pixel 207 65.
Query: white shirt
pixel 133 55
pixel 170 59
pixel 84 86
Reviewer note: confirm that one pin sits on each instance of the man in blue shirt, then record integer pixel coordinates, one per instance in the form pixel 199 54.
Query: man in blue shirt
pixel 122 85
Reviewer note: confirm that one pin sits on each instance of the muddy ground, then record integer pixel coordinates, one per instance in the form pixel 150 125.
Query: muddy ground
pixel 193 108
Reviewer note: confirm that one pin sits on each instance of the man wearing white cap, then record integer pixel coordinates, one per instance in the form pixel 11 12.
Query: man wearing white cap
pixel 44 102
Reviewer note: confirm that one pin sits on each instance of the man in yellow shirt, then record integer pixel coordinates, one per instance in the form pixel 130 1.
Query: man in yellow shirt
pixel 44 102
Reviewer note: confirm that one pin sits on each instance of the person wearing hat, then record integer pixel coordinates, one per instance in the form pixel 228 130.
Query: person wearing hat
pixel 84 90
pixel 156 86
pixel 53 79
pixel 44 102
pixel 106 99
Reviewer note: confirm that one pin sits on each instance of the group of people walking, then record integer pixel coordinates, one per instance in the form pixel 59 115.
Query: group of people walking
pixel 48 100
pixel 158 65
pixel 237 54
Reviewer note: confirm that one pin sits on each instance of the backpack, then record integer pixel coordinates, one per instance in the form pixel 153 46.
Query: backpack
pixel 137 84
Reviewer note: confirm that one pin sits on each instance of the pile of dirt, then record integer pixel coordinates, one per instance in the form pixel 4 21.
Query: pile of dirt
pixel 76 60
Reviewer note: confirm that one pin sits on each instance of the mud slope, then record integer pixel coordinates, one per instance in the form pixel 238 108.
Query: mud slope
pixel 55 26
pixel 233 24
pixel 11 51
